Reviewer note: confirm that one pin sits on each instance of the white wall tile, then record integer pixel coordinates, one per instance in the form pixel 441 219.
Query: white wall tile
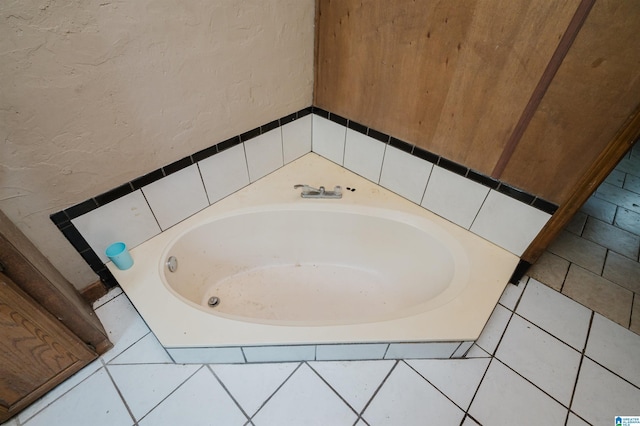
pixel 328 139
pixel 508 223
pixel 279 353
pixel 350 352
pixel 453 197
pixel 296 138
pixel 264 153
pixel 405 174
pixel 177 196
pixel 224 173
pixel 128 219
pixel 206 355
pixel 363 155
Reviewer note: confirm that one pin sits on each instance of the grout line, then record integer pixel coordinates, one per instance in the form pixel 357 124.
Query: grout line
pixel 575 385
pixel 564 280
pixel 478 388
pixel 276 391
pixel 152 212
pixel 375 393
pixel 206 193
pixel 633 302
pixel 124 401
pixel 228 392
pixel 438 389
pixel 426 185
pixel 533 384
pixel 479 209
pixel 331 387
pixel 173 391
pixel 384 154
pixel 493 354
pixel 16 416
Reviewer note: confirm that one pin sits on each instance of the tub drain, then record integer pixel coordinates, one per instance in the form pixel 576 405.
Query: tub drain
pixel 213 301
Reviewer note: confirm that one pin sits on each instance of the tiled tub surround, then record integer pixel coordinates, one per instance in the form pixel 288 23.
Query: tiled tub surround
pixel 144 207
pixel 410 313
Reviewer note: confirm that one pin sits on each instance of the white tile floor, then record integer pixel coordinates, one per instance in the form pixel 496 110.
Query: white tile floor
pixel 543 359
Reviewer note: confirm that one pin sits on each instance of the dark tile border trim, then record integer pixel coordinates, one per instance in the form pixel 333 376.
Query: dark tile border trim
pixel 445 163
pixel 62 219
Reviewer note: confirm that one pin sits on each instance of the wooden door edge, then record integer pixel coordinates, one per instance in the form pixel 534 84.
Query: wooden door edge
pixel 595 175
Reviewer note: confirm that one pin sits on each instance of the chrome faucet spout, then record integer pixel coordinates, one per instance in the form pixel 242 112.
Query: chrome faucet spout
pixel 321 192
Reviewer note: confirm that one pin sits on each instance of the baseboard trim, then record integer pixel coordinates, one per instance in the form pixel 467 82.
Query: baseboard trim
pixel 93 292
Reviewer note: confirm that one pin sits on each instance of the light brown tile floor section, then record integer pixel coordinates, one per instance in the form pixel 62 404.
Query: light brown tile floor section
pixel 595 259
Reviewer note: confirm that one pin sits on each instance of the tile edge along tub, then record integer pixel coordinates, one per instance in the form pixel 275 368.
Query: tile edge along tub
pixel 371 267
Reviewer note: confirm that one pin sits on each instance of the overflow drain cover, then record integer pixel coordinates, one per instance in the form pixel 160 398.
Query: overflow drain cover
pixel 214 301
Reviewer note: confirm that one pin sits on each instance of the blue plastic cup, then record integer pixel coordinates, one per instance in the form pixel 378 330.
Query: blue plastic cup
pixel 119 255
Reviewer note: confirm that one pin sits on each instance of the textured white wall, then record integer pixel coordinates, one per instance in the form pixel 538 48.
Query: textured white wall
pixel 94 94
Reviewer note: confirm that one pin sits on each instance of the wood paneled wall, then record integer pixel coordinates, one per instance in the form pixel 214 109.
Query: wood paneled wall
pixel 455 76
pixel 594 92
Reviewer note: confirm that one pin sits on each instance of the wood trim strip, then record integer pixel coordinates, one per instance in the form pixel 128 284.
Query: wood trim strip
pixel 93 292
pixel 549 73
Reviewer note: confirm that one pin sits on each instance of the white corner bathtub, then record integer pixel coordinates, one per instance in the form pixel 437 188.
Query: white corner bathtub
pixel 371 267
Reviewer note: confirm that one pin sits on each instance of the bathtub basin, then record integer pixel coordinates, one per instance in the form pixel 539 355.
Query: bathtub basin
pixel 371 267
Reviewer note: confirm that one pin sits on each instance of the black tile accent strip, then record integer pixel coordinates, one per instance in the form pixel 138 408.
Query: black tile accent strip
pixel 114 194
pixel 483 179
pixel 82 208
pixel 59 219
pixel 107 277
pixel 545 206
pixel 445 163
pixel 176 166
pixel 382 137
pixel 305 112
pixel 425 155
pixel 357 127
pixel 205 153
pixel 319 111
pixel 452 166
pixel 338 119
pixel 288 118
pixel 92 259
pixel 147 179
pixel 516 193
pixel 270 126
pixel 519 272
pixel 229 143
pixel 401 145
pixel 250 134
pixel 75 238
